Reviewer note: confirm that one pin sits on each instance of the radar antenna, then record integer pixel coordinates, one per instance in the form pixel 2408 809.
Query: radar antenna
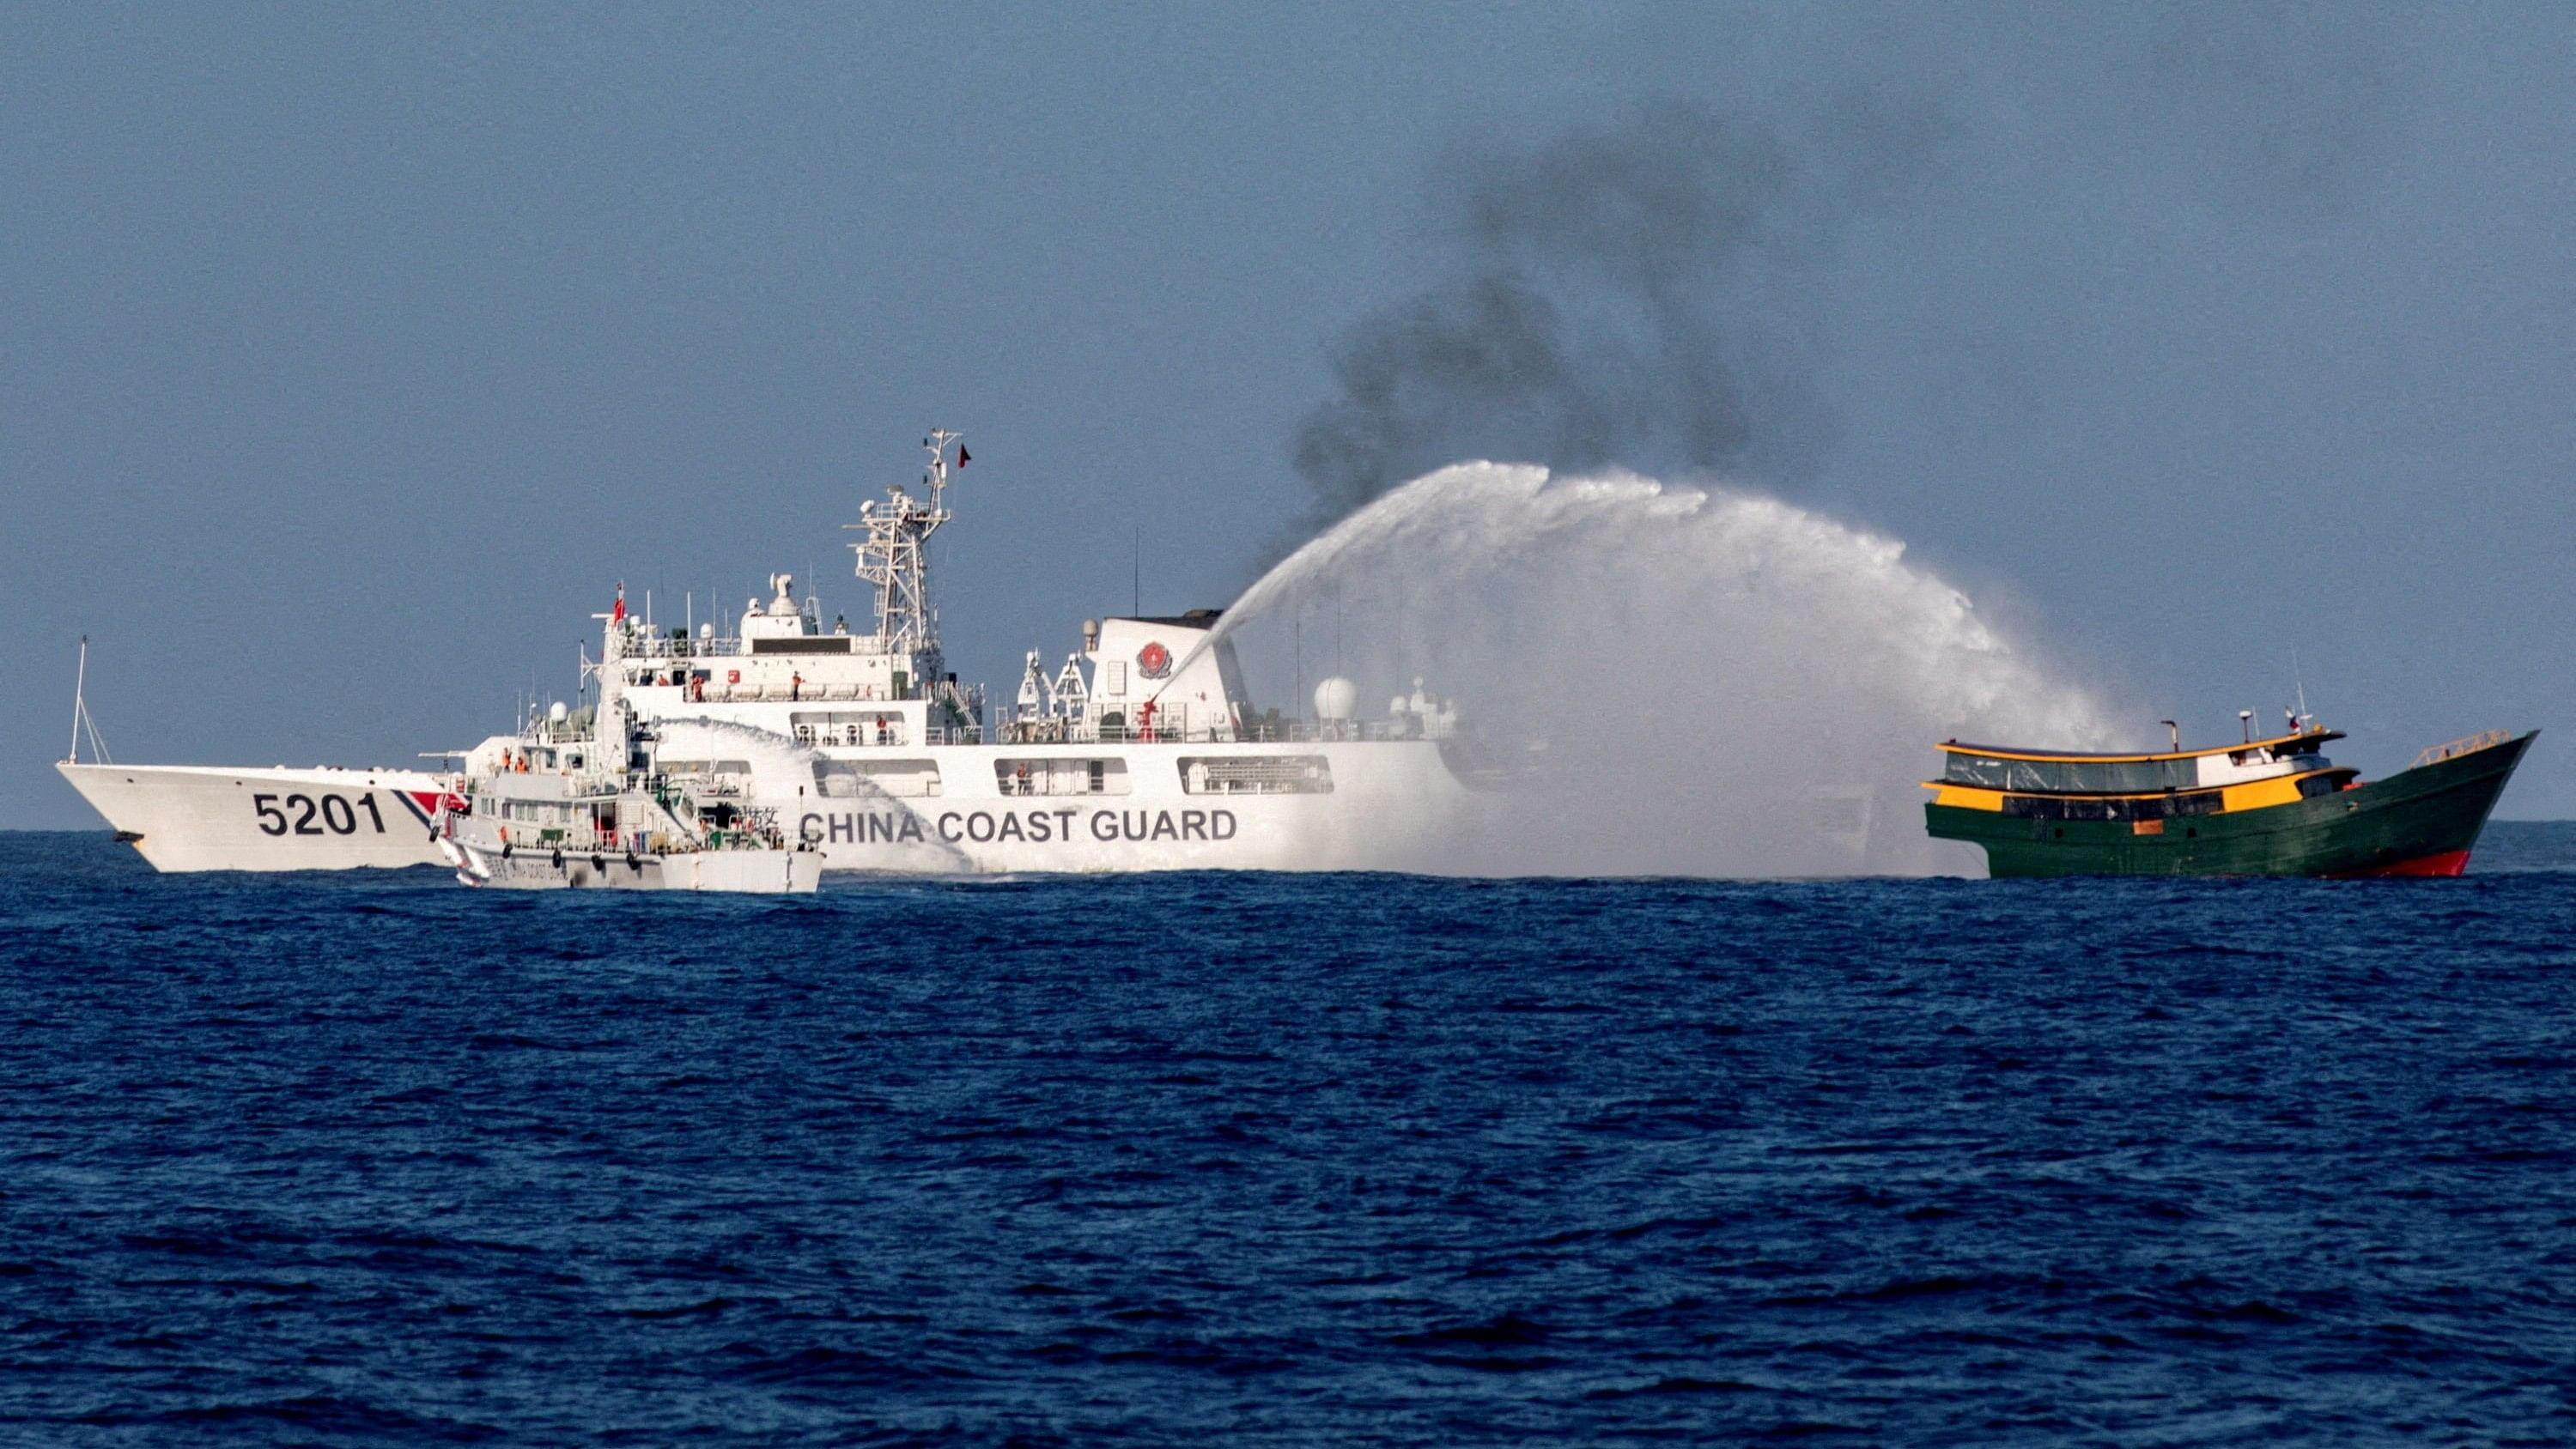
pixel 892 559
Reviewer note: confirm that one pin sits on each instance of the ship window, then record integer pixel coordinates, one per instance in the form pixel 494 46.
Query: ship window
pixel 2064 807
pixel 1256 775
pixel 1055 776
pixel 2099 777
pixel 2311 786
pixel 2117 807
pixel 1116 688
pixel 872 778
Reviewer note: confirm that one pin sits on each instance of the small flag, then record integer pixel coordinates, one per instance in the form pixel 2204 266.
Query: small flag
pixel 619 615
pixel 963 457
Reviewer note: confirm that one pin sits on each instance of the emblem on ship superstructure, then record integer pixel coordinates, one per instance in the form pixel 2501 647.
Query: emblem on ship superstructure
pixel 1154 661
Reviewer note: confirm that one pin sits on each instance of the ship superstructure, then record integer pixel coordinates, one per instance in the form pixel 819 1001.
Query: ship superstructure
pixel 600 815
pixel 1139 750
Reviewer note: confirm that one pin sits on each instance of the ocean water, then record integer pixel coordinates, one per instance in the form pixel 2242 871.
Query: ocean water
pixel 1284 1160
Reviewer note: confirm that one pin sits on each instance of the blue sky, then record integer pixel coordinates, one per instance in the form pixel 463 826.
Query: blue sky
pixel 348 358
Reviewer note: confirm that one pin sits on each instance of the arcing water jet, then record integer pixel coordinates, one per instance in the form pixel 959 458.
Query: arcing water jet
pixel 1688 679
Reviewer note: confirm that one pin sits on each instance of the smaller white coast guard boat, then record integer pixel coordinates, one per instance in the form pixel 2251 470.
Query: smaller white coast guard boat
pixel 576 804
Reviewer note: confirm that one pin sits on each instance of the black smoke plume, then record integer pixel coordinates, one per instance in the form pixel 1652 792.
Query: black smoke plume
pixel 1669 288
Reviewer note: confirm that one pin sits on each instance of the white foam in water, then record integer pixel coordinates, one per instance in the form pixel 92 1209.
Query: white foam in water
pixel 1708 681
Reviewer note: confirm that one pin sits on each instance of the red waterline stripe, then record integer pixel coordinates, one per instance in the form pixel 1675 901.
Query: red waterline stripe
pixel 2444 863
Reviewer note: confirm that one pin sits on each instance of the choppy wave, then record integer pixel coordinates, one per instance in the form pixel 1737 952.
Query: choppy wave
pixel 1279 1159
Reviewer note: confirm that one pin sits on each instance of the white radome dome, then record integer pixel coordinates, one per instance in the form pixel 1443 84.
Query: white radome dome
pixel 1335 698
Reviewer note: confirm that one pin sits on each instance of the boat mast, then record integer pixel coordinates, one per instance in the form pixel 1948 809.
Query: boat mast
pixel 80 681
pixel 81 722
pixel 892 558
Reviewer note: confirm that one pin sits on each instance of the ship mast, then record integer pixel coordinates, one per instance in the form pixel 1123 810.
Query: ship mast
pixel 892 557
pixel 81 722
pixel 80 709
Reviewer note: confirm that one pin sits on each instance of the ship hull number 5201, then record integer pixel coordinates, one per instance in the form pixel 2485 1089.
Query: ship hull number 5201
pixel 304 815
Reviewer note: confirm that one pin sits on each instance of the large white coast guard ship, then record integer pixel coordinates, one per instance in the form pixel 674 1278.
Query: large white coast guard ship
pixel 1141 752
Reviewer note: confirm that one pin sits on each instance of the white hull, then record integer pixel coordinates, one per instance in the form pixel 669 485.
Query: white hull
pixel 1392 806
pixel 735 872
pixel 189 818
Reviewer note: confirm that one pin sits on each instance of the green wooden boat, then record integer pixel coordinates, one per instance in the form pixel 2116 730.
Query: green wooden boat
pixel 2274 806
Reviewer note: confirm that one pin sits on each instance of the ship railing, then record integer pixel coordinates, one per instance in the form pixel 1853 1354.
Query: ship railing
pixel 583 840
pixel 1075 732
pixel 2466 745
pixel 571 839
pixel 643 645
pixel 1293 732
pixel 1303 732
pixel 578 726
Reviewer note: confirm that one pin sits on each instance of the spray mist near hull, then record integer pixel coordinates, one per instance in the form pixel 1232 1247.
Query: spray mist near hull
pixel 781 775
pixel 1683 679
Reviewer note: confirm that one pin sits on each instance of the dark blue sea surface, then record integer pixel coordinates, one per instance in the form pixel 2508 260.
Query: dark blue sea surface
pixel 1258 1159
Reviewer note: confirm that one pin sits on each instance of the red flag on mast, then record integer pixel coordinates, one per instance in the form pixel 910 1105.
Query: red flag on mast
pixel 963 458
pixel 618 616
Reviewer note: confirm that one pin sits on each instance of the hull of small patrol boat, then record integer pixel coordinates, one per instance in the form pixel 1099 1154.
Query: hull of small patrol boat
pixel 731 872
